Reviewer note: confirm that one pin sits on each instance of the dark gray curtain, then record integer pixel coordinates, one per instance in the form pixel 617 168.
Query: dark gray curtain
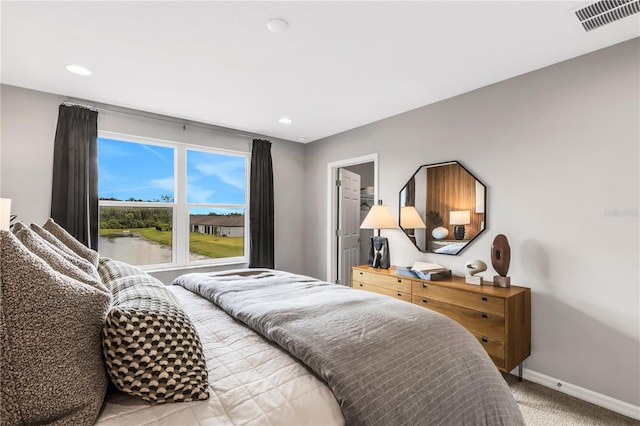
pixel 74 195
pixel 261 206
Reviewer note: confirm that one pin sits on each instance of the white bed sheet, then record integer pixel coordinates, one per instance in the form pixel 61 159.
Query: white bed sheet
pixel 251 382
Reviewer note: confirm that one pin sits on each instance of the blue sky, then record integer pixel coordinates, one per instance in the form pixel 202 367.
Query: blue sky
pixel 146 172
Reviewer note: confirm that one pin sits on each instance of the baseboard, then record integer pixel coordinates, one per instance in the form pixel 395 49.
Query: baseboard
pixel 595 398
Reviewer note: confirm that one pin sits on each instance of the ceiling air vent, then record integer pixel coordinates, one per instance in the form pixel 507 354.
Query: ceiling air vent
pixel 605 12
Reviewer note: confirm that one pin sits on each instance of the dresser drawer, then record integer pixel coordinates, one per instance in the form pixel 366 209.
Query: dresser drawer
pixel 471 300
pixel 494 348
pixel 389 282
pixel 480 323
pixel 381 290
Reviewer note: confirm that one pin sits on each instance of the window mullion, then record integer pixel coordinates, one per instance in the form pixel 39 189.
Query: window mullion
pixel 181 222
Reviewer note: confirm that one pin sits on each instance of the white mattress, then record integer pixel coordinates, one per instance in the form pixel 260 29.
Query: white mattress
pixel 251 382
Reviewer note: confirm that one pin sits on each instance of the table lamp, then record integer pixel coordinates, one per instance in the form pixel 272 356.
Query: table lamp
pixel 379 217
pixel 409 221
pixel 459 219
pixel 410 218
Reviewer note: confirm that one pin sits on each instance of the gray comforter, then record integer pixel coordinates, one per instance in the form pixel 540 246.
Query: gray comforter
pixel 387 362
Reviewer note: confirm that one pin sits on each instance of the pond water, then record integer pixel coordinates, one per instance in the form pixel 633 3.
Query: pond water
pixel 136 250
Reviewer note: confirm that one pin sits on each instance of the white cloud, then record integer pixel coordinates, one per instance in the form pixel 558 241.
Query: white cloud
pixel 156 153
pixel 166 184
pixel 198 194
pixel 231 173
pixel 105 175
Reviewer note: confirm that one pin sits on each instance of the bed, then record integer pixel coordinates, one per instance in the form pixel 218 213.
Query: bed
pixel 289 349
pixel 277 349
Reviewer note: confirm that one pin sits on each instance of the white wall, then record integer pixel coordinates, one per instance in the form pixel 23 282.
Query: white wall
pixel 558 149
pixel 28 128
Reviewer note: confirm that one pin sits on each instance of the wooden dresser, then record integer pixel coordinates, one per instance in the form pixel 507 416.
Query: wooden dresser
pixel 500 318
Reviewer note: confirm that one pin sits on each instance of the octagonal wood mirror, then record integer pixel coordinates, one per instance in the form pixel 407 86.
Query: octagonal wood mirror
pixel 443 208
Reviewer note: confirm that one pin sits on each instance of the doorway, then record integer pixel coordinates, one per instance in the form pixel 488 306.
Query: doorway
pixel 347 244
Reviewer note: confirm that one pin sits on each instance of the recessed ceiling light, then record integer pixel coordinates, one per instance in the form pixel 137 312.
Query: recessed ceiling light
pixel 285 120
pixel 78 69
pixel 277 25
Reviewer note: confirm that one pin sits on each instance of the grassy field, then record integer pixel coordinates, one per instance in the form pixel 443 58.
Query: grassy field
pixel 206 245
pixel 212 246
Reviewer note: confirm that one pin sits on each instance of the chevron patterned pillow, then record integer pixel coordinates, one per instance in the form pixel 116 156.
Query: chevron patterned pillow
pixel 152 349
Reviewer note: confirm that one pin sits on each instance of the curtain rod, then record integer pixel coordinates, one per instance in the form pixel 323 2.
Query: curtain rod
pixel 153 116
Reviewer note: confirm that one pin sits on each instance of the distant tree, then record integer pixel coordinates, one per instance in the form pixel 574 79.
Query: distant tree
pixel 135 217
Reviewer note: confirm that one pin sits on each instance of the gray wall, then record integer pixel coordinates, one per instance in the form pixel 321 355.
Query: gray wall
pixel 28 128
pixel 558 149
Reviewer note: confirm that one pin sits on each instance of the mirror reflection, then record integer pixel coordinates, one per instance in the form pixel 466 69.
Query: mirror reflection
pixel 443 208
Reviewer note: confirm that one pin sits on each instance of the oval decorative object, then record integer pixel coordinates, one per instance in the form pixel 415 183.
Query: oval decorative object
pixel 440 233
pixel 501 255
pixel 443 195
pixel 500 260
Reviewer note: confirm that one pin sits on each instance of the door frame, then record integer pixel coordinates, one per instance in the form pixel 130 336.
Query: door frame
pixel 332 208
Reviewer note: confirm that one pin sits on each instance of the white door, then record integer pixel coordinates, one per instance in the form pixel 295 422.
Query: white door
pixel 348 224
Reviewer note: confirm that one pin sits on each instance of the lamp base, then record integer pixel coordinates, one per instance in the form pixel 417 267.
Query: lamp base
pixel 379 253
pixel 458 232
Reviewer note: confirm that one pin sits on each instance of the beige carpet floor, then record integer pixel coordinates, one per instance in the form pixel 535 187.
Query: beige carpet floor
pixel 542 406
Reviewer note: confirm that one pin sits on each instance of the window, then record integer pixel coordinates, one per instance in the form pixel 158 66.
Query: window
pixel 169 204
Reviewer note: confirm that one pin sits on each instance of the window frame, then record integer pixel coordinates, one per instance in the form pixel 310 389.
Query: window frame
pixel 180 207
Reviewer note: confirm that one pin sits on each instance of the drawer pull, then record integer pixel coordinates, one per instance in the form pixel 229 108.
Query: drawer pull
pixel 361 273
pixel 361 285
pixel 485 315
pixel 485 340
pixel 485 298
pixel 425 300
pixel 399 294
pixel 399 280
pixel 424 285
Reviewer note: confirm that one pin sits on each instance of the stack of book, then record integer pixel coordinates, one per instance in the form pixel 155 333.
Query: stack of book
pixel 425 271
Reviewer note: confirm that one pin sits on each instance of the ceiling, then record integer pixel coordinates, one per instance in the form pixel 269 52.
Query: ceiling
pixel 339 65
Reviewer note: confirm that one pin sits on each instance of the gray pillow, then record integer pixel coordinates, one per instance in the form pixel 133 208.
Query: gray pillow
pixel 67 239
pixel 56 260
pixel 63 250
pixel 51 239
pixel 52 366
pixel 17 227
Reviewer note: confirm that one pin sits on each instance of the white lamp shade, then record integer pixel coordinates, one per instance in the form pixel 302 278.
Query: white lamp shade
pixel 5 213
pixel 379 217
pixel 410 218
pixel 462 217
